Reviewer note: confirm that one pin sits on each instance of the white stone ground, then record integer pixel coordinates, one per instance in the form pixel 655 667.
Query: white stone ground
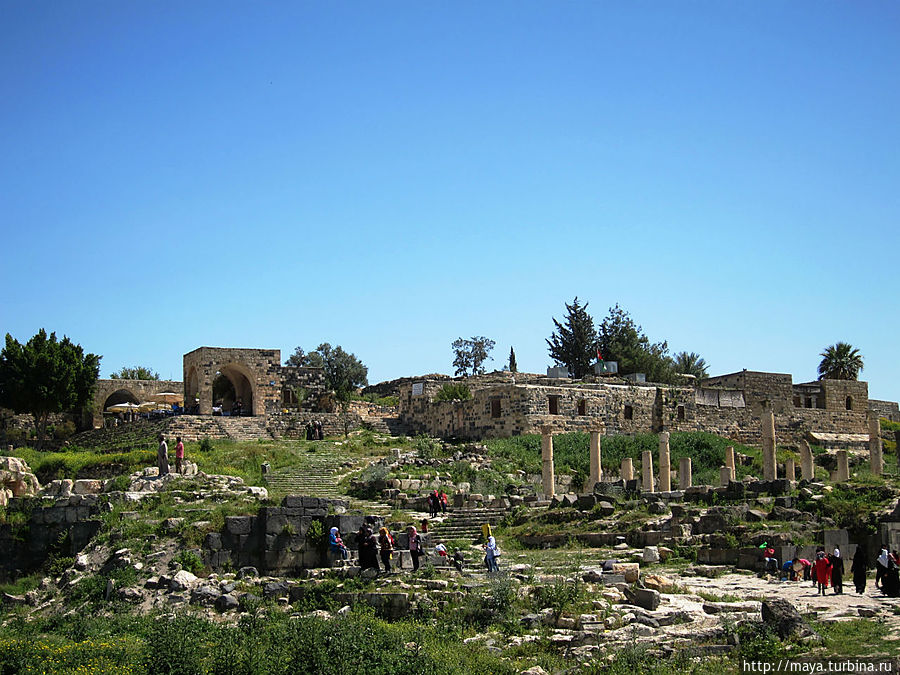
pixel 804 596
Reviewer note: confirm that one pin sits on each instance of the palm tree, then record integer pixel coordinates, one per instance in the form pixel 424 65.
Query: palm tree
pixel 840 361
pixel 691 364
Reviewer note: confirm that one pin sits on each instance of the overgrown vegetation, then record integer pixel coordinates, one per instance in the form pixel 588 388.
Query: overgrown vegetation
pixel 453 391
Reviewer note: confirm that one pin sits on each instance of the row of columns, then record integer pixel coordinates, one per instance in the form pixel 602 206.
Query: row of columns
pixel 726 473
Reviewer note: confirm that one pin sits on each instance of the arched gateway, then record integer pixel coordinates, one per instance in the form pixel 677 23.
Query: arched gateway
pixel 215 376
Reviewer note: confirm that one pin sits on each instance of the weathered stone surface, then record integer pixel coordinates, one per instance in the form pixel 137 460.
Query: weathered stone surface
pixel 783 617
pixel 646 598
pixel 226 602
pixel 182 581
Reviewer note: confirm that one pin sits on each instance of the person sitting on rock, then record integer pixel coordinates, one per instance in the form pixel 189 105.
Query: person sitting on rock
pixel 770 559
pixel 458 560
pixel 336 544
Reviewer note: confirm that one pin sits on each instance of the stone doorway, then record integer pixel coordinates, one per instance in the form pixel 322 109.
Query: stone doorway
pixel 231 385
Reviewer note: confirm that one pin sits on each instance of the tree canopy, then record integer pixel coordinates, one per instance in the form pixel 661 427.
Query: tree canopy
pixel 344 373
pixel 136 373
pixel 46 376
pixel 470 355
pixel 574 342
pixel 840 361
pixel 623 341
pixel 691 364
pixel 512 365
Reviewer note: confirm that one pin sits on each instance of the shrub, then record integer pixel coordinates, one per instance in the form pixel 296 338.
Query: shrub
pixel 64 430
pixel 206 445
pixel 453 391
pixel 558 595
pixel 190 561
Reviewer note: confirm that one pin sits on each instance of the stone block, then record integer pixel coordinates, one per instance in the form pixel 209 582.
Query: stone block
pixel 238 525
pixel 586 502
pixel 645 598
pixel 213 541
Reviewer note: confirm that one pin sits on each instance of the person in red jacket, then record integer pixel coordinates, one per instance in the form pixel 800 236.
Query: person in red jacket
pixel 822 571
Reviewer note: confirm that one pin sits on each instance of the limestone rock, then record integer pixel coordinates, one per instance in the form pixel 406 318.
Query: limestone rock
pixel 182 581
pixel 651 555
pixel 226 602
pixel 631 571
pixel 783 617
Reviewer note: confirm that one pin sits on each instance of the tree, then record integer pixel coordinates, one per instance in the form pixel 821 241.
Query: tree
pixel 344 373
pixel 46 376
pixel 471 354
pixel 574 343
pixel 840 361
pixel 691 364
pixel 623 341
pixel 136 373
pixel 303 360
pixel 513 366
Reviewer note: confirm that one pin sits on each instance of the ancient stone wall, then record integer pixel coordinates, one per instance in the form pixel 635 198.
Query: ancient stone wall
pixel 276 540
pixel 888 410
pixel 293 424
pixel 133 391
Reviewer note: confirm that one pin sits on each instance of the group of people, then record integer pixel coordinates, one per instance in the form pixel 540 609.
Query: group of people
pixel 314 431
pixel 828 569
pixel 371 548
pixel 162 455
pixel 437 503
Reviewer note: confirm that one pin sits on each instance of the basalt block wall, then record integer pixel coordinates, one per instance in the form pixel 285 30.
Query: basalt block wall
pixel 729 405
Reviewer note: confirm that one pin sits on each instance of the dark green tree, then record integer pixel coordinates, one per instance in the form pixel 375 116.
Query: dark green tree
pixel 513 366
pixel 623 341
pixel 840 361
pixel 691 364
pixel 344 373
pixel 574 342
pixel 46 376
pixel 470 355
pixel 303 359
pixel 136 373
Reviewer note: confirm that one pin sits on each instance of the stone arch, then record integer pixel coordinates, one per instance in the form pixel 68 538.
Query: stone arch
pixel 849 403
pixel 243 384
pixel 123 395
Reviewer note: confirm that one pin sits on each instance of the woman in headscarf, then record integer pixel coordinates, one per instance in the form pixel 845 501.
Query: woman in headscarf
pixel 890 584
pixel 837 571
pixel 336 545
pixel 491 553
pixel 415 546
pixel 368 549
pixel 881 565
pixel 859 568
pixel 386 543
pixel 822 571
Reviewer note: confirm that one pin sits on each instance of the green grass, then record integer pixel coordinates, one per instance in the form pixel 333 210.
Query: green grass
pixel 858 637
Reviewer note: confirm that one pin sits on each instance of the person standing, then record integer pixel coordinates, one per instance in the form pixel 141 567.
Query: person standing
pixel 368 549
pixel 162 456
pixel 881 565
pixel 491 553
pixel 822 571
pixel 859 568
pixel 443 497
pixel 386 543
pixel 415 546
pixel 179 455
pixel 837 571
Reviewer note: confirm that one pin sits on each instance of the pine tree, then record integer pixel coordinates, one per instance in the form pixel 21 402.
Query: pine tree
pixel 574 342
pixel 513 367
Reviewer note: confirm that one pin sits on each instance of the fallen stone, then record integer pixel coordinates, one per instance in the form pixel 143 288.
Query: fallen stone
pixel 783 617
pixel 643 597
pixel 651 555
pixel 182 581
pixel 226 602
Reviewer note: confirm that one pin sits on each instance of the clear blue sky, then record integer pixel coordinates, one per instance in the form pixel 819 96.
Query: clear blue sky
pixel 392 176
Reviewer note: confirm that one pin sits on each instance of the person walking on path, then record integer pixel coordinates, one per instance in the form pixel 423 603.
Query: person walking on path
pixel 415 546
pixel 491 553
pixel 822 571
pixel 162 456
pixel 386 544
pixel 859 568
pixel 881 565
pixel 179 455
pixel 837 571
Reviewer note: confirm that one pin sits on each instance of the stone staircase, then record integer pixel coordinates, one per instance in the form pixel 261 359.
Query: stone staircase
pixel 317 476
pixel 391 426
pixel 465 523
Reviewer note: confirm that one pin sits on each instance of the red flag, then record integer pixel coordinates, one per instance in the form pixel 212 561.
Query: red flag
pixel 599 356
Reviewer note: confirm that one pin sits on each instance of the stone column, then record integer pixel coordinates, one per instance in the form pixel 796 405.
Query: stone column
pixel 807 468
pixel 627 470
pixel 724 476
pixel 647 469
pixel 665 477
pixel 842 473
pixel 768 445
pixel 790 469
pixel 875 462
pixel 685 476
pixel 729 460
pixel 547 482
pixel 596 469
